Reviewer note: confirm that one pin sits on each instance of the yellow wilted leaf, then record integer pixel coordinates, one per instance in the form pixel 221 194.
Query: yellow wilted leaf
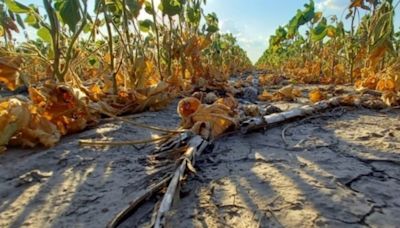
pixel 265 96
pixel 377 54
pixel 390 98
pixel 188 106
pixel 39 130
pixel 316 95
pixel 9 74
pixel 331 32
pixel 370 82
pixel 229 101
pixel 250 79
pixel 263 80
pixel 203 42
pixel 107 58
pixel 386 85
pixel 148 77
pixel 218 117
pixel 285 93
pixel 297 92
pixel 358 84
pixel 269 79
pixel 62 105
pixel 96 92
pixel 14 115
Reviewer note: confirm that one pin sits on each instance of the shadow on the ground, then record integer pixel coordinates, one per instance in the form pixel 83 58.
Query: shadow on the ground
pixel 257 181
pixel 70 185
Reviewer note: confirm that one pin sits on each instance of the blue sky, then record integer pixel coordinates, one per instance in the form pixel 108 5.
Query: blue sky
pixel 253 21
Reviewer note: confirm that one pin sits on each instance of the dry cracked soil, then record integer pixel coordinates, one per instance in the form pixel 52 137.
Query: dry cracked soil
pixel 340 168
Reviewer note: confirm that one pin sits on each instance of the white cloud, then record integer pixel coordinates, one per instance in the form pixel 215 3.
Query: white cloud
pixel 254 46
pixel 332 4
pixel 229 26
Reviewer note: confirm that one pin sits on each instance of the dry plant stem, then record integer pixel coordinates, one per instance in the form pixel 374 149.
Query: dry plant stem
pixel 126 30
pixel 158 39
pixel 261 122
pixel 121 216
pixel 196 146
pixel 85 142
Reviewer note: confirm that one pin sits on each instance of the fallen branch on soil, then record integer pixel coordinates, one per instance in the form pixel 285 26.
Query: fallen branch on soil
pixel 124 214
pixel 256 123
pixel 89 142
pixel 195 147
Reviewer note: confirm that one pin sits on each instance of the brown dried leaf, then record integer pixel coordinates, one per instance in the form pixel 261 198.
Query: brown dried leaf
pixel 316 95
pixel 9 74
pixel 287 93
pixel 265 96
pixel 387 85
pixel 14 116
pixel 218 116
pixel 188 106
pixel 39 130
pixel 390 98
pixel 64 106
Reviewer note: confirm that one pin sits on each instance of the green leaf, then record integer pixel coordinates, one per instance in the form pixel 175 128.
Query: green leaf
pixel 319 32
pixel 93 61
pixel 11 15
pixel 145 25
pixel 134 7
pixel 88 28
pixel 193 15
pixel 171 7
pixel 301 18
pixel 148 7
pixel 45 35
pixel 115 7
pixel 30 19
pixel 308 13
pixel 16 7
pixel 212 23
pixel 1 31
pixel 317 17
pixel 97 4
pixel 20 21
pixel 69 12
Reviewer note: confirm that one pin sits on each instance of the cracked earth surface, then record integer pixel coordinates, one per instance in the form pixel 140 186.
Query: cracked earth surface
pixel 343 173
pixel 341 169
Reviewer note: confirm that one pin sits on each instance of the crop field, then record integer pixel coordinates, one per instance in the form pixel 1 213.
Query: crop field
pixel 151 113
